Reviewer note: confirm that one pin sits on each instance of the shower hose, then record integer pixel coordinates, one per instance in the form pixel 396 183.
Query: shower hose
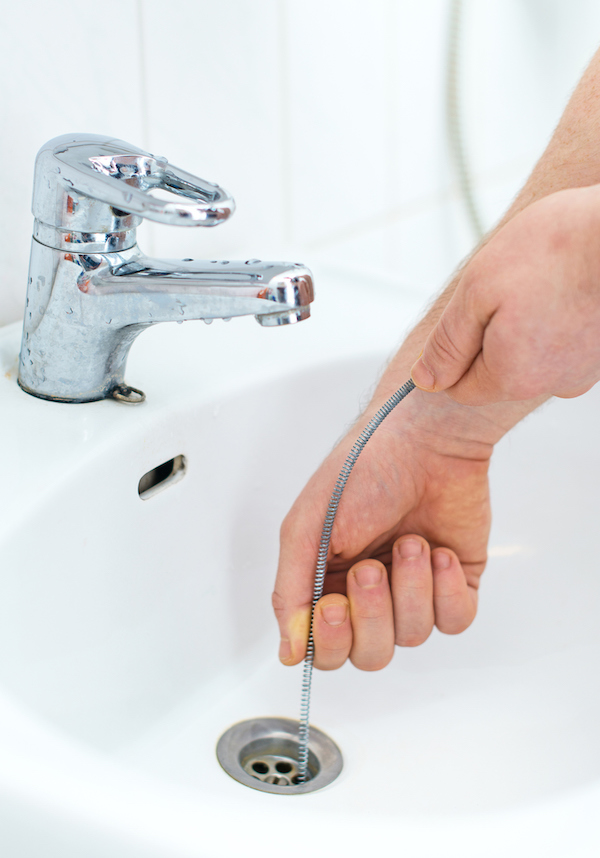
pixel 363 438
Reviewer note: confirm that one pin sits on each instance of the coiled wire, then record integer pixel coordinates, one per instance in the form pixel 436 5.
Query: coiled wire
pixel 365 435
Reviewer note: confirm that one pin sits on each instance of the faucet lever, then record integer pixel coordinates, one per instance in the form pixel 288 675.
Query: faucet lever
pixel 81 168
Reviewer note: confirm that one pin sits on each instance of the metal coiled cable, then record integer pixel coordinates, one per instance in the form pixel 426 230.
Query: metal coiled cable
pixel 365 435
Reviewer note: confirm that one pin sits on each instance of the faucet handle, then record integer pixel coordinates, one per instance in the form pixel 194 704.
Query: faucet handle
pixel 75 172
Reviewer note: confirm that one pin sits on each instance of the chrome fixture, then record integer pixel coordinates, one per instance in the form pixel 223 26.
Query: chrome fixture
pixel 91 291
pixel 262 753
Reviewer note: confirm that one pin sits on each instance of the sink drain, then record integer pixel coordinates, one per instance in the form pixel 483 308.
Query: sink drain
pixel 263 754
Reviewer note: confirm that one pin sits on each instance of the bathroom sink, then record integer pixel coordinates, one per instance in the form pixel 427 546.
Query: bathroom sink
pixel 135 629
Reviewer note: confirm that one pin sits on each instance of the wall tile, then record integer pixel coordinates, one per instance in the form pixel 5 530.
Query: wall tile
pixel 215 100
pixel 417 47
pixel 337 121
pixel 64 66
pixel 417 253
pixel 519 64
pixel 419 250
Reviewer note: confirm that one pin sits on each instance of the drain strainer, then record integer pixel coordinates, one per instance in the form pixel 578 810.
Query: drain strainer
pixel 263 754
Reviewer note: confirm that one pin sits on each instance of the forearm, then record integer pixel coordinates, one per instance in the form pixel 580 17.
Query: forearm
pixel 571 160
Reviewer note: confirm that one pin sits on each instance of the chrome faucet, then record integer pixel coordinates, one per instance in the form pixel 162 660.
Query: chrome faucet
pixel 91 291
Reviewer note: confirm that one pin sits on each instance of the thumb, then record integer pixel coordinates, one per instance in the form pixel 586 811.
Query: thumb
pixel 294 585
pixel 452 346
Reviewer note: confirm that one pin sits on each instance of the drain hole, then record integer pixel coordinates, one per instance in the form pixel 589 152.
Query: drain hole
pixel 162 476
pixel 274 760
pixel 262 753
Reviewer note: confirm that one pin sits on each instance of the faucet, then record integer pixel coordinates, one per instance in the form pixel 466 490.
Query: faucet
pixel 91 290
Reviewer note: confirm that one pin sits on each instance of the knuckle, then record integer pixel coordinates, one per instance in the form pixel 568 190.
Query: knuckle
pixel 442 346
pixel 369 614
pixel 332 650
pixel 278 603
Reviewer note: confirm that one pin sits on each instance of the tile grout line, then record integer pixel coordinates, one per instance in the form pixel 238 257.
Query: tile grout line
pixel 144 104
pixel 391 19
pixel 142 71
pixel 407 210
pixel 284 121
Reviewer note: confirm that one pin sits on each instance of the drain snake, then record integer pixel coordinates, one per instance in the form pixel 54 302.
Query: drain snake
pixel 363 438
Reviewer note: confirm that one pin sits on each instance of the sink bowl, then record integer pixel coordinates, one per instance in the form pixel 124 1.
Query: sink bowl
pixel 136 628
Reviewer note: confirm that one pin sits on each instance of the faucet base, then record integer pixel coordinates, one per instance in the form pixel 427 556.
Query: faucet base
pixel 120 393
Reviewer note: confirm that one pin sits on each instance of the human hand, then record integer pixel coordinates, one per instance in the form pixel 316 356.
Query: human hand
pixel 524 319
pixel 409 542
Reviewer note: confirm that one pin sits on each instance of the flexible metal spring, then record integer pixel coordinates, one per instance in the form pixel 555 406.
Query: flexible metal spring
pixel 365 435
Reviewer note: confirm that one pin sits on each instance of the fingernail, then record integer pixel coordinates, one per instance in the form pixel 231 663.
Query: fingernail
pixel 422 376
pixel 368 576
pixel 285 650
pixel 410 548
pixel 441 560
pixel 334 615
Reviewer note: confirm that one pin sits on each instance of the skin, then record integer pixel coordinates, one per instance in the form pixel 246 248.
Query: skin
pixel 516 325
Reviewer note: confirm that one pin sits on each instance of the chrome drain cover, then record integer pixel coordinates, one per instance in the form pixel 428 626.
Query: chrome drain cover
pixel 262 753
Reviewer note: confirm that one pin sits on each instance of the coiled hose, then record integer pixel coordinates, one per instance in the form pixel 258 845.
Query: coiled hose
pixel 365 435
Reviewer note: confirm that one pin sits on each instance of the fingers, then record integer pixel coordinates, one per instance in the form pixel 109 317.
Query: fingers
pixel 372 615
pixel 293 593
pixel 454 600
pixel 455 341
pixel 427 588
pixel 412 591
pixel 360 626
pixel 332 632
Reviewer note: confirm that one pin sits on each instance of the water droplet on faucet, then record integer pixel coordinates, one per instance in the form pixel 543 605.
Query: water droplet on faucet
pixel 208 321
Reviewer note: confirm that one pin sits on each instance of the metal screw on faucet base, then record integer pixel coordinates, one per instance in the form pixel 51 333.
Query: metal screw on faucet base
pixel 130 395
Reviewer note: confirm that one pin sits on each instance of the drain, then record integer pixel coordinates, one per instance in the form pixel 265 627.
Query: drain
pixel 263 754
pixel 272 769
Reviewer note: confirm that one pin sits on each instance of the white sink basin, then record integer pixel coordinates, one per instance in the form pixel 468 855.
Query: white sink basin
pixel 134 632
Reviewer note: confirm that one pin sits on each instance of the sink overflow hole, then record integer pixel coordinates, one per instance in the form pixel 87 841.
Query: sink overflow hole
pixel 159 478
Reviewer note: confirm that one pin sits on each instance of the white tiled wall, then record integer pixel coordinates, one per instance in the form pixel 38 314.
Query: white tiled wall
pixel 324 118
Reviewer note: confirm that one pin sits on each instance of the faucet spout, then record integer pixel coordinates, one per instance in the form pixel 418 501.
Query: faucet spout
pixel 85 311
pixel 165 290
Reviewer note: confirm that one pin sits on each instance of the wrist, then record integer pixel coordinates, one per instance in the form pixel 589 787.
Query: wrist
pixel 435 420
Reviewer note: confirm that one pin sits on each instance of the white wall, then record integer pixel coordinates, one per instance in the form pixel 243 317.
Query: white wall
pixel 324 118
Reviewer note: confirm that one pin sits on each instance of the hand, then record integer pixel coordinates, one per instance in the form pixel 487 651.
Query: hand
pixel 524 320
pixel 409 541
